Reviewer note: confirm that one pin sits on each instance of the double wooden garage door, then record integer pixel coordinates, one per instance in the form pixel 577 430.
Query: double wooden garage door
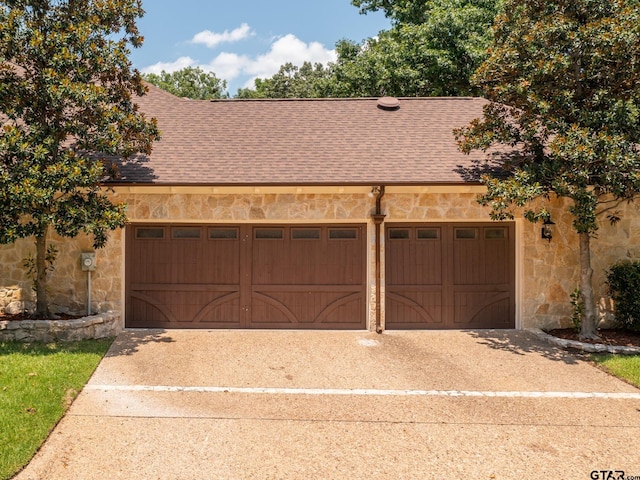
pixel 244 276
pixel 314 277
pixel 450 276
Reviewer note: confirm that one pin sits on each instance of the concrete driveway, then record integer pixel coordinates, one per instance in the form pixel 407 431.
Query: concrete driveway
pixel 343 405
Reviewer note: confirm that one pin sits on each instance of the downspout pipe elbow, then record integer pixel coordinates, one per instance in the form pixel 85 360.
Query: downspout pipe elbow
pixel 380 194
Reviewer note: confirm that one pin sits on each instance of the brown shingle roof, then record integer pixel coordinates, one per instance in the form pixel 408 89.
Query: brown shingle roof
pixel 303 142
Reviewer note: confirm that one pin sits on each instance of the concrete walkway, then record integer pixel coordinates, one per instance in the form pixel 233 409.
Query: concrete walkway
pixel 343 405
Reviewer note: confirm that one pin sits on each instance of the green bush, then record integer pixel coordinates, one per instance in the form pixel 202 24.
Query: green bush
pixel 578 309
pixel 623 279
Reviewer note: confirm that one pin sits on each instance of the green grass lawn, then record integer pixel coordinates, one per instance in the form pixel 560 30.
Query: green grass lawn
pixel 38 382
pixel 626 367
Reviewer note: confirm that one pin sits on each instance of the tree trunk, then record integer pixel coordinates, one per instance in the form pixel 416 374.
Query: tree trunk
pixel 588 325
pixel 42 309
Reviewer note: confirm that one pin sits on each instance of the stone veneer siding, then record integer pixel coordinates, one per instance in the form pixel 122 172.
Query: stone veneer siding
pixel 547 272
pixel 8 294
pixel 68 283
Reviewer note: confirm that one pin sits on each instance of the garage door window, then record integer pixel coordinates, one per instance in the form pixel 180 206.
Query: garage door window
pixel 495 233
pixel 343 234
pixel 186 233
pixel 428 233
pixel 269 234
pixel 399 234
pixel 466 234
pixel 305 234
pixel 223 234
pixel 150 233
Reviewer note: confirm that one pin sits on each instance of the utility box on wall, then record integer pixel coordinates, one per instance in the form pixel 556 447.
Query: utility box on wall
pixel 88 261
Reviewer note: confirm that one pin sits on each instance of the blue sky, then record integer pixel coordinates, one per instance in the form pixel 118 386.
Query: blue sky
pixel 243 39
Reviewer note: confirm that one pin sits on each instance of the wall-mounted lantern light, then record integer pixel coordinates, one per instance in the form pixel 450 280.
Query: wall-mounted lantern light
pixel 547 229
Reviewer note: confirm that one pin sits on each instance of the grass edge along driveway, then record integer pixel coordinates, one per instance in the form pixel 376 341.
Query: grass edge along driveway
pixel 38 383
pixel 625 367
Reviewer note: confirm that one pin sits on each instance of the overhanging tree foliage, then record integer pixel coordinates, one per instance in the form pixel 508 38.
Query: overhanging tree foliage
pixel 431 49
pixel 190 82
pixel 307 81
pixel 66 88
pixel 563 77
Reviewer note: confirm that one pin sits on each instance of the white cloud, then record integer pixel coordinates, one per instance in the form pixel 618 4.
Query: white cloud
pixel 228 65
pixel 287 49
pixel 179 64
pixel 212 39
pixel 245 69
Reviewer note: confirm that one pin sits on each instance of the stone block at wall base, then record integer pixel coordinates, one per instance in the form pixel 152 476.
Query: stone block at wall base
pixel 103 325
pixel 9 295
pixel 17 307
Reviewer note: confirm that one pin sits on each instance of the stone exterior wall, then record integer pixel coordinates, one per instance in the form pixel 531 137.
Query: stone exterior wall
pixel 550 271
pixel 68 283
pixel 547 272
pixel 252 208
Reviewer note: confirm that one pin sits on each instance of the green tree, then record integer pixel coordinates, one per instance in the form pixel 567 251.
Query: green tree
pixel 66 92
pixel 564 85
pixel 307 81
pixel 400 11
pixel 190 82
pixel 432 49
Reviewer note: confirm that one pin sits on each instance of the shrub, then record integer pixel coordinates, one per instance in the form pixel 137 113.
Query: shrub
pixel 578 309
pixel 623 279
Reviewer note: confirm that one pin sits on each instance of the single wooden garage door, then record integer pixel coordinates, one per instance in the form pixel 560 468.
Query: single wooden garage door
pixel 246 276
pixel 450 276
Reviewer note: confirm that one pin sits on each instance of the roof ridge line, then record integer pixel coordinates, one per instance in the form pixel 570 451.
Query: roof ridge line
pixel 336 99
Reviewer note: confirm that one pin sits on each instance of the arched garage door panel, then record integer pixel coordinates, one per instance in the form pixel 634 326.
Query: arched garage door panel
pixel 182 276
pixel 450 276
pixel 198 276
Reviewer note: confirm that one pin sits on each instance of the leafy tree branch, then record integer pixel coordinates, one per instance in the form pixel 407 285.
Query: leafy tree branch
pixel 564 86
pixel 67 94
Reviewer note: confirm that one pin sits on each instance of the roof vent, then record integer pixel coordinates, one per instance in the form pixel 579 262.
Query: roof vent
pixel 388 103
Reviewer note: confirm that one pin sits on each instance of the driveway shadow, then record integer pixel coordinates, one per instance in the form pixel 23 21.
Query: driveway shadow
pixel 129 341
pixel 520 342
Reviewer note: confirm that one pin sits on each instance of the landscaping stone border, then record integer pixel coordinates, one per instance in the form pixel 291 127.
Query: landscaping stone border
pixel 102 325
pixel 582 346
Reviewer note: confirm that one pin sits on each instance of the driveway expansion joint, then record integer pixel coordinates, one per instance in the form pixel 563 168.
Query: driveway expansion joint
pixel 364 392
